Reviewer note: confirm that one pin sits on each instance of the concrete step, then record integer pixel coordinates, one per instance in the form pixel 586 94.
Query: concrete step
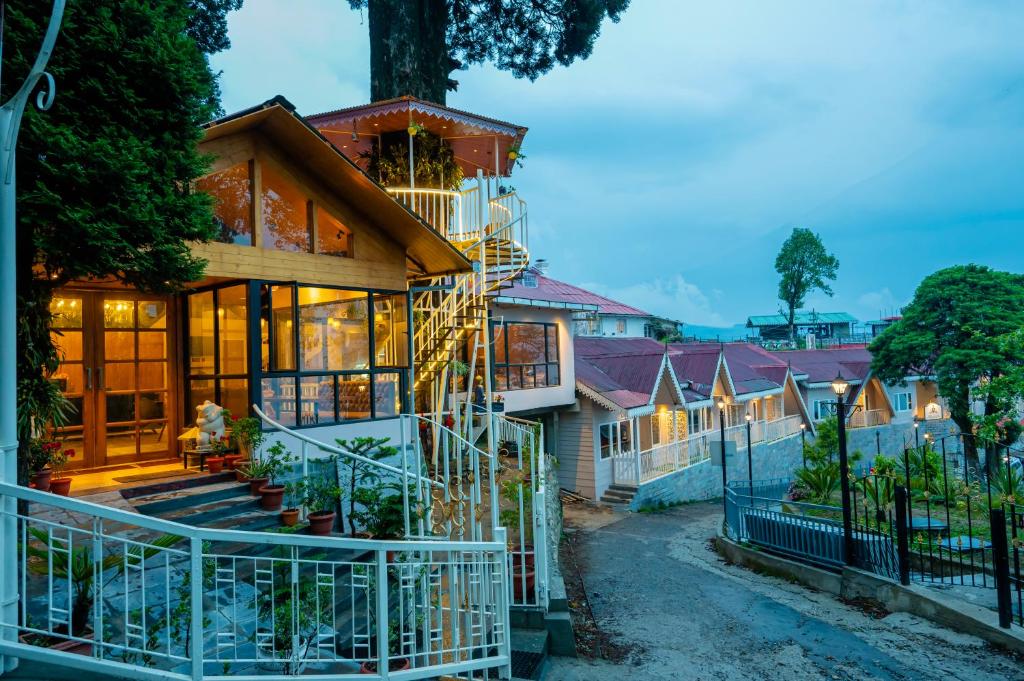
pixel 630 489
pixel 529 653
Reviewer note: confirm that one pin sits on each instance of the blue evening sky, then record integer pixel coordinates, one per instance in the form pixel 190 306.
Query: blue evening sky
pixel 668 168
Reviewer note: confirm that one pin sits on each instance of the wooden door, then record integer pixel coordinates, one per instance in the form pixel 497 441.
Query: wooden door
pixel 121 379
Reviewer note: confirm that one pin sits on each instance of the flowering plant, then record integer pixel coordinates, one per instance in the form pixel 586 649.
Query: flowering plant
pixel 40 453
pixel 59 459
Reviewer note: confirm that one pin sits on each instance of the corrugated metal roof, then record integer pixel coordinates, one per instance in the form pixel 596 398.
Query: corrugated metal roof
pixel 553 290
pixel 821 366
pixel 801 318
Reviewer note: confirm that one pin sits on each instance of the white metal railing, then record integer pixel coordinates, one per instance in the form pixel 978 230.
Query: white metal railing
pixel 868 418
pixel 632 468
pixel 523 489
pixel 125 595
pixel 439 208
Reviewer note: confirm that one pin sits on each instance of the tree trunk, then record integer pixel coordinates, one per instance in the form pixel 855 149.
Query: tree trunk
pixel 966 426
pixel 408 49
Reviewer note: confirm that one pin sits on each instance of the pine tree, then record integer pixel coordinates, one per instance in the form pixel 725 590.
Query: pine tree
pixel 104 175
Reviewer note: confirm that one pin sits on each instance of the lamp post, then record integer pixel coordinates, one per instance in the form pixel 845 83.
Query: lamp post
pixel 839 386
pixel 750 459
pixel 917 435
pixel 803 442
pixel 721 427
pixel 10 120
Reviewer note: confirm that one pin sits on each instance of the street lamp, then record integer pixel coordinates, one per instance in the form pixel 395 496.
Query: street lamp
pixel 839 386
pixel 750 459
pixel 721 427
pixel 917 435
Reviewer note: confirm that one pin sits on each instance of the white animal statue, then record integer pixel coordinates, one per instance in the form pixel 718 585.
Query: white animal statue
pixel 210 423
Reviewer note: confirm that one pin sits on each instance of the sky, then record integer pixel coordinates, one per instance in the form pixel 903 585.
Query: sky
pixel 667 169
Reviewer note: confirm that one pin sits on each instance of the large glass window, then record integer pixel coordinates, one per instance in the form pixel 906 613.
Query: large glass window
pixel 323 361
pixel 231 190
pixel 332 238
pixel 217 349
pixel 525 355
pixel 286 224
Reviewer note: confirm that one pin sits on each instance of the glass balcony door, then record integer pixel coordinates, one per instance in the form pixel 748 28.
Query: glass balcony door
pixel 117 370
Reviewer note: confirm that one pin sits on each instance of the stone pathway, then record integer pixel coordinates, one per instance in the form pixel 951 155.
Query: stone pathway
pixel 682 613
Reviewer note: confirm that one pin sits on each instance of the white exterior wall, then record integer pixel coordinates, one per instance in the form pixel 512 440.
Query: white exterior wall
pixel 634 326
pixel 893 390
pixel 389 428
pixel 539 398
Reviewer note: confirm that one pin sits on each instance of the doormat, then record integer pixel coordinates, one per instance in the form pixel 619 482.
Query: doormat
pixel 155 475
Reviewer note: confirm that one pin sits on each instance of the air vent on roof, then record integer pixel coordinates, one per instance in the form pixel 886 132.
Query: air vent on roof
pixel 530 279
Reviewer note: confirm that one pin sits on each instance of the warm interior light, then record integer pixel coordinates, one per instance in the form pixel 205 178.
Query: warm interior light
pixel 839 385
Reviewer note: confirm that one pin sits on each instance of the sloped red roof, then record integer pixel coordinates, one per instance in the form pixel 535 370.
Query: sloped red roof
pixel 821 366
pixel 552 290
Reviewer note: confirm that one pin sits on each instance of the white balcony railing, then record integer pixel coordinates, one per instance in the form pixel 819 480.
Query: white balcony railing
pixel 120 594
pixel 674 456
pixel 868 418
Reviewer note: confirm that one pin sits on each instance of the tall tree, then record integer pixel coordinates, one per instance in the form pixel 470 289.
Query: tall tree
pixel 954 328
pixel 104 175
pixel 804 266
pixel 416 44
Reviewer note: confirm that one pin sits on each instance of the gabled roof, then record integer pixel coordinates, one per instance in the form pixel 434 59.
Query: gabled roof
pixel 277 119
pixel 554 291
pixel 474 139
pixel 801 318
pixel 821 366
pixel 620 373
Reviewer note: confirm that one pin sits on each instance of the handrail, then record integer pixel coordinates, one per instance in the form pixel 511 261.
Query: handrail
pixel 337 450
pixel 74 505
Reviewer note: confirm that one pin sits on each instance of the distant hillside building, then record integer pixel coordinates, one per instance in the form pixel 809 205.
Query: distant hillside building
pixel 818 324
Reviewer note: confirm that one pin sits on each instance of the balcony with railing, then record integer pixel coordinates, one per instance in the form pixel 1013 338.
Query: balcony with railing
pixel 867 418
pixel 641 466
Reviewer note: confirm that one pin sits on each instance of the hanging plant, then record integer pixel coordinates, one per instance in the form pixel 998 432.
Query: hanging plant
pixel 415 129
pixel 516 155
pixel 434 162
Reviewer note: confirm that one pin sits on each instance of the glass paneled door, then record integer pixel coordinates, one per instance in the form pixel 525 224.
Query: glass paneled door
pixel 116 370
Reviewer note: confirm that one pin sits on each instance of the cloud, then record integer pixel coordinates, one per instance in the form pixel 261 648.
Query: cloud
pixel 674 298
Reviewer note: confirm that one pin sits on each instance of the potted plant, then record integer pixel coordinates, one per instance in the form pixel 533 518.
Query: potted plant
pixel 271 493
pixel 248 434
pixel 215 461
pixel 498 403
pixel 293 493
pixel 355 474
pixel 242 471
pixel 58 461
pixel 516 491
pixel 396 663
pixel 382 511
pixel 39 454
pixel 320 495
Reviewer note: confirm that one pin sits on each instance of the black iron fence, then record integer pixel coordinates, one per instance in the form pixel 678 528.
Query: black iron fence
pixel 924 516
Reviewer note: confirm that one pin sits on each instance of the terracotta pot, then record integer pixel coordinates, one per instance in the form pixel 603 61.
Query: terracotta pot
pixel 255 484
pixel 215 464
pixel 399 665
pixel 41 479
pixel 231 461
pixel 61 486
pixel 290 517
pixel 321 523
pixel 241 473
pixel 273 497
pixel 517 585
pixel 522 555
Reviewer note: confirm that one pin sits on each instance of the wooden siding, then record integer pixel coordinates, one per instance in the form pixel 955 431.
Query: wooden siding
pixel 378 262
pixel 576 449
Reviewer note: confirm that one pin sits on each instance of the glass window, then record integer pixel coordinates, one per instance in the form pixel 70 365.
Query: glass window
pixel 200 334
pixel 616 438
pixel 525 355
pixel 332 238
pixel 354 397
pixel 387 397
pixel 231 190
pixel 317 394
pixel 232 321
pixel 285 213
pixel 334 332
pixel 279 401
pixel 902 401
pixel 281 313
pixel 824 409
pixel 390 331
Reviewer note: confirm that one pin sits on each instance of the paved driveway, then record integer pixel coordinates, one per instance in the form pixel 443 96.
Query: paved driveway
pixel 653 583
